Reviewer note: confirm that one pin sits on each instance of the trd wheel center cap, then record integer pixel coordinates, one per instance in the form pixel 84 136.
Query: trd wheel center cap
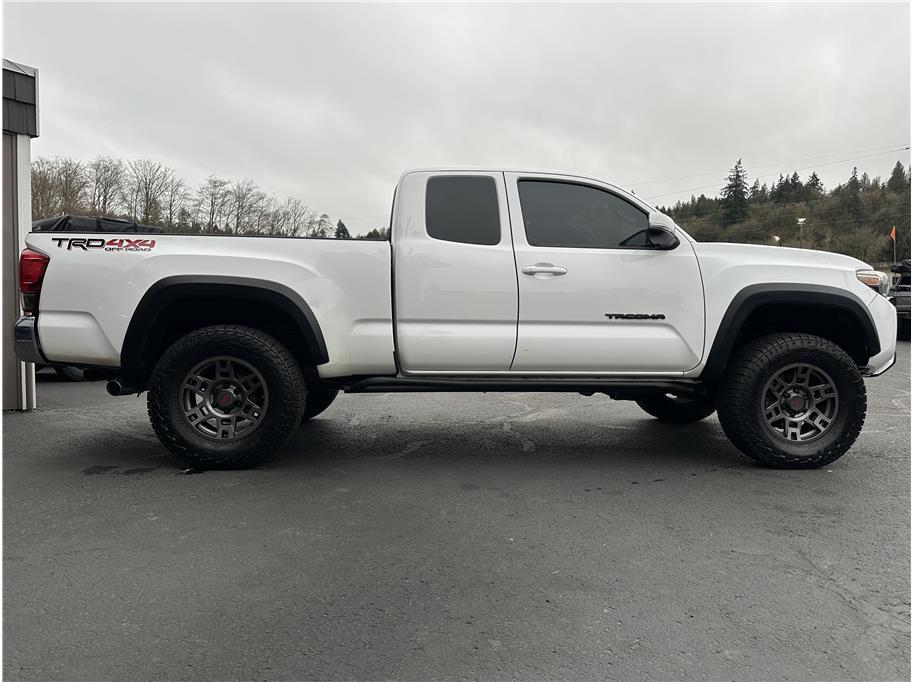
pixel 796 402
pixel 226 399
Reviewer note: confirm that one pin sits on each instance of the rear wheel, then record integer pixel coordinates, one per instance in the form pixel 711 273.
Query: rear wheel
pixel 225 396
pixel 669 408
pixel 317 402
pixel 792 401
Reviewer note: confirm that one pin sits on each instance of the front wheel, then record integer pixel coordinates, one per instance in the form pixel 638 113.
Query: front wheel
pixel 225 396
pixel 792 401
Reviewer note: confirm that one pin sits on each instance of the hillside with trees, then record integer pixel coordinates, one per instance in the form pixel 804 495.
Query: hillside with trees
pixel 853 218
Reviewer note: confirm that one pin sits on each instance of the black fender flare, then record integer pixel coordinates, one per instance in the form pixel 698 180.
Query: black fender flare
pixel 753 297
pixel 169 289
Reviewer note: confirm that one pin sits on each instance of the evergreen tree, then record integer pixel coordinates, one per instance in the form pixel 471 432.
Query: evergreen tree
pixel 813 185
pixel 853 185
pixel 342 231
pixel 778 190
pixel 754 194
pixel 897 181
pixel 734 195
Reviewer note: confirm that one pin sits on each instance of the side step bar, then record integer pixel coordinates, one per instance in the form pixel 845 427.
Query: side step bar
pixel 618 386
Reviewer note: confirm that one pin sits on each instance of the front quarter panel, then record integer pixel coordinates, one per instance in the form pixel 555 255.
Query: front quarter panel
pixel 727 269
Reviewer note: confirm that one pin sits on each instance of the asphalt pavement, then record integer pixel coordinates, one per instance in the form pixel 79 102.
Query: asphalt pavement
pixel 417 536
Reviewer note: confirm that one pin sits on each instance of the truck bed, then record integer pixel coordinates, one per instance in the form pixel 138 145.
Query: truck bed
pixel 94 283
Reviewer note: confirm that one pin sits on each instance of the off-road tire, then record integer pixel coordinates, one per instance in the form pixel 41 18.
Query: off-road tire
pixel 740 401
pixel 317 401
pixel 281 375
pixel 676 410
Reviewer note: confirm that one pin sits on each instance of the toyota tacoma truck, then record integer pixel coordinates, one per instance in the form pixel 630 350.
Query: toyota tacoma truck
pixel 491 280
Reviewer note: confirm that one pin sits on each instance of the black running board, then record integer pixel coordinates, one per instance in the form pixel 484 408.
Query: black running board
pixel 612 386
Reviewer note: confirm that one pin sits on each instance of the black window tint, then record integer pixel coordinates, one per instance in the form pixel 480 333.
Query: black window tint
pixel 463 209
pixel 571 215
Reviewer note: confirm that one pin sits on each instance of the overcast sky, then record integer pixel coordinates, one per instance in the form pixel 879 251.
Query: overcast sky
pixel 331 102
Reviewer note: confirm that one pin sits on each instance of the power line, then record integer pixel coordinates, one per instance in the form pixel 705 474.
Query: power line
pixel 767 175
pixel 761 165
pixel 894 148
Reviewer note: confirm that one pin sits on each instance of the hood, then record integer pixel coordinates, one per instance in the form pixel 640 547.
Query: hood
pixel 781 255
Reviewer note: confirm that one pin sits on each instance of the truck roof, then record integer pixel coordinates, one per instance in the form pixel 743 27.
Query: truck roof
pixel 524 171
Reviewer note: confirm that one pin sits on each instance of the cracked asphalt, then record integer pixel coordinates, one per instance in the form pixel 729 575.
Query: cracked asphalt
pixel 487 536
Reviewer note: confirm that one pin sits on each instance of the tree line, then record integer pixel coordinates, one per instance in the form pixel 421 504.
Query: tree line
pixel 855 217
pixel 151 193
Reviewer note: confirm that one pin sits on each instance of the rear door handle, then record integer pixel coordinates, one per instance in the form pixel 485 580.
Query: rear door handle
pixel 544 269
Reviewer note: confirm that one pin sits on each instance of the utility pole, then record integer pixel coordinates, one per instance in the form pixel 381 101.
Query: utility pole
pixel 801 232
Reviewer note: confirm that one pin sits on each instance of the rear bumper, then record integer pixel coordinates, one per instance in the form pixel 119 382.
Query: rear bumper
pixel 25 340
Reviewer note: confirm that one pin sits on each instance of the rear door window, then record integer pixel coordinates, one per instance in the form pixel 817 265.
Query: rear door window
pixel 463 208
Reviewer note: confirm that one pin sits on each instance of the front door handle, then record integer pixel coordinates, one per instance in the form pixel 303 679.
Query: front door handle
pixel 544 269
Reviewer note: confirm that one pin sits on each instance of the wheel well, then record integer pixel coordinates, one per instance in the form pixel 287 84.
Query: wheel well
pixel 166 315
pixel 823 311
pixel 838 325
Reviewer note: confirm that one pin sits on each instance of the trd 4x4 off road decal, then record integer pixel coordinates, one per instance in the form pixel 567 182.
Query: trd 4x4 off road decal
pixel 118 244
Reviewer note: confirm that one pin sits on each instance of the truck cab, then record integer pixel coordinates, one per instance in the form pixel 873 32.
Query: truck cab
pixel 506 273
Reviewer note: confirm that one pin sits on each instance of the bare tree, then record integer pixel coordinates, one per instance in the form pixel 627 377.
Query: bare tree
pixel 72 184
pixel 174 198
pixel 148 181
pixel 210 202
pixel 263 215
pixel 293 218
pixel 244 200
pixel 106 182
pixel 45 194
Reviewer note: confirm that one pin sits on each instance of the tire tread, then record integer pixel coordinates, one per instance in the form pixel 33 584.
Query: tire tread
pixel 290 389
pixel 736 400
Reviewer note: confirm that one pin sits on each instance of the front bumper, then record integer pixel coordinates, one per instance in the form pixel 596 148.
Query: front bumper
pixel 884 316
pixel 880 370
pixel 25 341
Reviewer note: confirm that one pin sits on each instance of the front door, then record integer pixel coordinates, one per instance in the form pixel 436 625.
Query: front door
pixel 594 296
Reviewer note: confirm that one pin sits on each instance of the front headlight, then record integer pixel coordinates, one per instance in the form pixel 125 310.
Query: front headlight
pixel 878 281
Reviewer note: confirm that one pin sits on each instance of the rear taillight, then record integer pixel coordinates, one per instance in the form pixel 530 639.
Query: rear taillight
pixel 32 266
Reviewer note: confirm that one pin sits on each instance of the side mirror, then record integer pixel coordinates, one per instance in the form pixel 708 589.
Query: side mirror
pixel 661 238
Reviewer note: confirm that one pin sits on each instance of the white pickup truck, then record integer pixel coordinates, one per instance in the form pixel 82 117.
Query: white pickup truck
pixel 492 280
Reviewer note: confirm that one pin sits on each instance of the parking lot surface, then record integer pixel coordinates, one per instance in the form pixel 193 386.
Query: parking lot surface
pixel 453 536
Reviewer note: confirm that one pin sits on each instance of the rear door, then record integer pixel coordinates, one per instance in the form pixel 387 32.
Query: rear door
pixel 454 275
pixel 594 296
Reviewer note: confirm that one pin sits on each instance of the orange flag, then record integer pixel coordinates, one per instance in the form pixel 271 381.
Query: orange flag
pixel 893 233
